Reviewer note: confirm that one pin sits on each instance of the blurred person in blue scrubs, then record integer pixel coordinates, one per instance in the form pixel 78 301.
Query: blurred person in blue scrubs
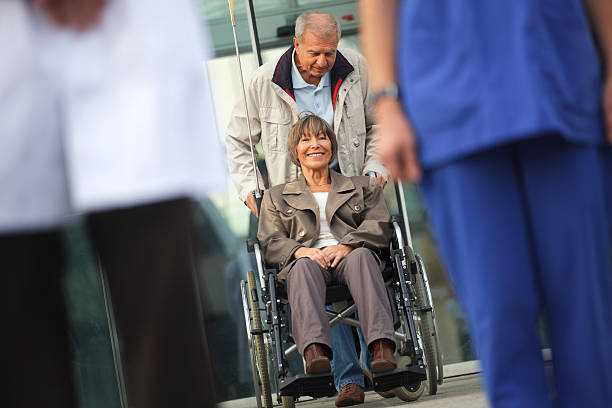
pixel 105 111
pixel 502 108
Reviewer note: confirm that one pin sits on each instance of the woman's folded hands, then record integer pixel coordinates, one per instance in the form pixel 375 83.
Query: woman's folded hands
pixel 327 257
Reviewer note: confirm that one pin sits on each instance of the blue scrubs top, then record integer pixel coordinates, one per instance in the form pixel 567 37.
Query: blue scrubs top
pixel 474 74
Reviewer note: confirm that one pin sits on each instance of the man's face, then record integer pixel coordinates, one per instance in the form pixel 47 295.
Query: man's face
pixel 315 56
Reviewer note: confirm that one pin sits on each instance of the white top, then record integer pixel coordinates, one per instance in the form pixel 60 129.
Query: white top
pixel 115 116
pixel 326 238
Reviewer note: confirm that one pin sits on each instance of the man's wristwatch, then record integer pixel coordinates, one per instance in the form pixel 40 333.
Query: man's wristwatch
pixel 389 91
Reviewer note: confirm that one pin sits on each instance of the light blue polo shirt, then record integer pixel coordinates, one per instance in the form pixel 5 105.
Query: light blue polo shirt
pixel 310 98
pixel 475 74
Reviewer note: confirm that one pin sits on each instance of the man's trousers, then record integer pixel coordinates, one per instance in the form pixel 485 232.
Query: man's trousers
pixel 523 229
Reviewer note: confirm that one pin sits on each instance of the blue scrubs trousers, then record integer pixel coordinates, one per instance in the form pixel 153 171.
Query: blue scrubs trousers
pixel 523 229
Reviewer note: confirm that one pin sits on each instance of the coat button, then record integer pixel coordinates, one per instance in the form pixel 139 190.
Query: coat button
pixel 289 211
pixel 356 142
pixel 357 207
pixel 301 234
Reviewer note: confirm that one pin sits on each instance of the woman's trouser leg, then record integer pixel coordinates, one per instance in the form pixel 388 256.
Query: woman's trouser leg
pixel 360 271
pixel 306 286
pixel 147 253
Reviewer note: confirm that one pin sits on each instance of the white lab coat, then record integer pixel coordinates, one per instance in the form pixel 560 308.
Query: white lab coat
pixel 117 116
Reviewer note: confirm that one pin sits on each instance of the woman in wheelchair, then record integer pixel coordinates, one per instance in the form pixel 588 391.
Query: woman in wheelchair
pixel 326 228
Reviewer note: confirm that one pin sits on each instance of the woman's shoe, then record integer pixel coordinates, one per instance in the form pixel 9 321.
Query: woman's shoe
pixel 382 356
pixel 317 361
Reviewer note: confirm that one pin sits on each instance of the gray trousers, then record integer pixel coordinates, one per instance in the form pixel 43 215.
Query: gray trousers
pixel 306 285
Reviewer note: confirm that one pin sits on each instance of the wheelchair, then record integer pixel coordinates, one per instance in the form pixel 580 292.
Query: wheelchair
pixel 418 356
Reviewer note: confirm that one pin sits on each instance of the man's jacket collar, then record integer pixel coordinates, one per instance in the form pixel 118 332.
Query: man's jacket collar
pixel 338 73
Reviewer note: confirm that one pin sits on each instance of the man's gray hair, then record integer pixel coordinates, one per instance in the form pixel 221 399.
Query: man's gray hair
pixel 320 29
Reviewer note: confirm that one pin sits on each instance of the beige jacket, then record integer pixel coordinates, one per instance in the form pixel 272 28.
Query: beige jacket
pixel 272 110
pixel 289 218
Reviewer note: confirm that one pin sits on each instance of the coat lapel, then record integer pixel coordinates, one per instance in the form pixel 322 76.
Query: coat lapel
pixel 342 189
pixel 298 195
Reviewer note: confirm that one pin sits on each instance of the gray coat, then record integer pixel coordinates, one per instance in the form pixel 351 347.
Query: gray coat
pixel 289 218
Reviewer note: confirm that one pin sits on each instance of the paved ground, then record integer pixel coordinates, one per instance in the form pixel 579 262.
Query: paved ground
pixel 456 392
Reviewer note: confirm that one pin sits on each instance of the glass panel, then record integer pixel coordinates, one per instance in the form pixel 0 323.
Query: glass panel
pixel 93 363
pixel 213 9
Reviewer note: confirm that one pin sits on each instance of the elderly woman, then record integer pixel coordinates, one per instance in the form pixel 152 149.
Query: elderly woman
pixel 323 228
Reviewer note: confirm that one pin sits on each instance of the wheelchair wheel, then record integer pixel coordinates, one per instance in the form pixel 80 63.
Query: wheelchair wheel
pixel 288 401
pixel 426 324
pixel 409 392
pixel 259 358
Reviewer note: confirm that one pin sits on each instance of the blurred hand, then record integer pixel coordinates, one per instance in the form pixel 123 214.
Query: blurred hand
pixel 397 143
pixel 316 254
pixel 379 178
pixel 335 253
pixel 607 106
pixel 77 14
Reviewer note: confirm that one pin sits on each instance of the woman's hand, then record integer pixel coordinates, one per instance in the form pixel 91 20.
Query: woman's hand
pixel 316 254
pixel 335 253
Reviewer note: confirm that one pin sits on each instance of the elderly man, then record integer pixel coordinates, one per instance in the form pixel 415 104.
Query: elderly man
pixel 311 76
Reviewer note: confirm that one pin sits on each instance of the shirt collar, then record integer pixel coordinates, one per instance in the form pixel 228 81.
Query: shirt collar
pixel 298 81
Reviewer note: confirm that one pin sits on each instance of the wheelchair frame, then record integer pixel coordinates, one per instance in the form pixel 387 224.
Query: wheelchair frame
pixel 419 362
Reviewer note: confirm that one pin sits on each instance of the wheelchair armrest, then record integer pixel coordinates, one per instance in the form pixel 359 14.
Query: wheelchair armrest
pixel 250 242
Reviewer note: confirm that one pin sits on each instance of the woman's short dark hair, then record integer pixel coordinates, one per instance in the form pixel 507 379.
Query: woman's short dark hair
pixel 311 125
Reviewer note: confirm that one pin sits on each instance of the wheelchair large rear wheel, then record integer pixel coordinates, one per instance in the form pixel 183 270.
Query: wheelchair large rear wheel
pixel 259 357
pixel 427 332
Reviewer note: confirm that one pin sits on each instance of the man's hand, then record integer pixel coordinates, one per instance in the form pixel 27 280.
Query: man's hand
pixel 397 143
pixel 316 254
pixel 379 177
pixel 335 253
pixel 252 203
pixel 606 101
pixel 77 14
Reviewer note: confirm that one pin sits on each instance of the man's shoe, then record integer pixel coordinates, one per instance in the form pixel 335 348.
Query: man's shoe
pixel 384 394
pixel 351 394
pixel 317 361
pixel 382 356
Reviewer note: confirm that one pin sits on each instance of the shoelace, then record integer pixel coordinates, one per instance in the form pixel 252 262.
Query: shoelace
pixel 348 388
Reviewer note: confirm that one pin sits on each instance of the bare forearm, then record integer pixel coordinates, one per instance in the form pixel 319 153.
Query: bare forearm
pixel 378 32
pixel 600 15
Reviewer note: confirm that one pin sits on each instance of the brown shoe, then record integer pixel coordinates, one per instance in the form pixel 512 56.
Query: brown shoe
pixel 351 394
pixel 384 394
pixel 317 361
pixel 382 356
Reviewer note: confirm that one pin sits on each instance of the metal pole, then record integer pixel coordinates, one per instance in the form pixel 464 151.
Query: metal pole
pixel 253 31
pixel 258 194
pixel 112 330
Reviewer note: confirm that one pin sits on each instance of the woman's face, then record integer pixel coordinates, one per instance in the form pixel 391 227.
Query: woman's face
pixel 314 152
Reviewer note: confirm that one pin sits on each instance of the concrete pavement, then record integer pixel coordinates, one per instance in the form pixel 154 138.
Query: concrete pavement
pixel 456 392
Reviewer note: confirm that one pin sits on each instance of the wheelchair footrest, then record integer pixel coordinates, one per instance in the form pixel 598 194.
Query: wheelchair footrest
pixel 400 377
pixel 311 385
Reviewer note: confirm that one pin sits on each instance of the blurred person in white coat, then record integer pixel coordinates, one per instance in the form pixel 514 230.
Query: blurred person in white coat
pixel 104 111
